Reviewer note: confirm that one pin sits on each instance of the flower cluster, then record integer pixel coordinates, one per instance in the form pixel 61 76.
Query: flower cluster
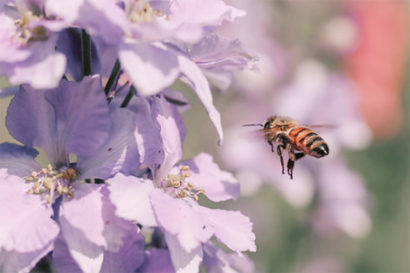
pixel 92 89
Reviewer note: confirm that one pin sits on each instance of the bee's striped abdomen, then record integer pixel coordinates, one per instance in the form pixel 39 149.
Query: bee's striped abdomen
pixel 309 142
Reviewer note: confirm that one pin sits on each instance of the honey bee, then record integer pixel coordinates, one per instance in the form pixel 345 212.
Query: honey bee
pixel 298 140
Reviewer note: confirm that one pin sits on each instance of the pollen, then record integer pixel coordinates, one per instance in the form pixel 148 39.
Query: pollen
pixel 28 30
pixel 143 12
pixel 52 183
pixel 177 186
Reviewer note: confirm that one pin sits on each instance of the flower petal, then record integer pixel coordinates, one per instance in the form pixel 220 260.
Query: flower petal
pixel 14 261
pixel 20 210
pixel 84 213
pixel 87 255
pixel 18 160
pixel 115 228
pixel 157 260
pixel 129 257
pixel 206 175
pixel 118 153
pixel 190 19
pixel 130 196
pixel 31 119
pixel 72 118
pixel 82 112
pixel 200 85
pixel 99 17
pixel 179 219
pixel 150 68
pixel 172 132
pixel 183 261
pixel 39 73
pixel 217 260
pixel 62 259
pixel 230 227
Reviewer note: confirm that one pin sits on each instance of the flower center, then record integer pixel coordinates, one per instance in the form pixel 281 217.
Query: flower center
pixel 26 32
pixel 49 181
pixel 143 12
pixel 177 186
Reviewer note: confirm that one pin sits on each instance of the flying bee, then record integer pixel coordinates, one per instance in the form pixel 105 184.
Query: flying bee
pixel 298 140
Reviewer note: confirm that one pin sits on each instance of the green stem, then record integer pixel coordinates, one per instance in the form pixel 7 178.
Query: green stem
pixel 113 76
pixel 86 52
pixel 129 96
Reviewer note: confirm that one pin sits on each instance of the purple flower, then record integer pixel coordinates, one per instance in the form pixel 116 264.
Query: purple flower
pixel 146 21
pixel 217 260
pixel 72 119
pixel 27 41
pixel 169 201
pixel 218 57
pixel 130 28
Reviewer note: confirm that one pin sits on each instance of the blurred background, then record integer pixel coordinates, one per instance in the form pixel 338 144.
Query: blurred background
pixel 321 62
pixel 338 63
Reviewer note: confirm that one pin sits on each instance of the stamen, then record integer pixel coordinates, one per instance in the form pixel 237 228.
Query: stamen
pixel 143 12
pixel 52 181
pixel 26 32
pixel 177 186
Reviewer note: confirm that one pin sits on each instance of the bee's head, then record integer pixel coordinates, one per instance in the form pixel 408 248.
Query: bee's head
pixel 268 123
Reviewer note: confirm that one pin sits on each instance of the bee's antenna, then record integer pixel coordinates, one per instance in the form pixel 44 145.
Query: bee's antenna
pixel 253 124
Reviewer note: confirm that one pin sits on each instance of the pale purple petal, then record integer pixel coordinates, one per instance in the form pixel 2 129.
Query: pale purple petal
pixel 83 212
pixel 172 132
pixel 20 210
pixel 184 261
pixel 200 85
pixel 129 257
pixel 177 98
pixel 9 50
pixel 62 259
pixel 130 196
pixel 115 229
pixel 99 17
pixel 70 119
pixel 178 218
pixel 157 260
pixel 146 135
pixel 230 227
pixel 18 160
pixel 39 73
pixel 190 19
pixel 82 111
pixel 22 262
pixel 31 120
pixel 217 260
pixel 219 57
pixel 205 174
pixel 150 68
pixel 118 153
pixel 87 255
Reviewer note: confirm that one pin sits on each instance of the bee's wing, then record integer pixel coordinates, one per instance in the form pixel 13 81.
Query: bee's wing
pixel 322 126
pixel 258 134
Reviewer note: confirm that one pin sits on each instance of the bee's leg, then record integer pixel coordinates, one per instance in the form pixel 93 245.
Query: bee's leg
pixel 291 162
pixel 283 142
pixel 272 147
pixel 279 151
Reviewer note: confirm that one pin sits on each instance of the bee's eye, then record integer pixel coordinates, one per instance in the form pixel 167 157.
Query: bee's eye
pixel 267 125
